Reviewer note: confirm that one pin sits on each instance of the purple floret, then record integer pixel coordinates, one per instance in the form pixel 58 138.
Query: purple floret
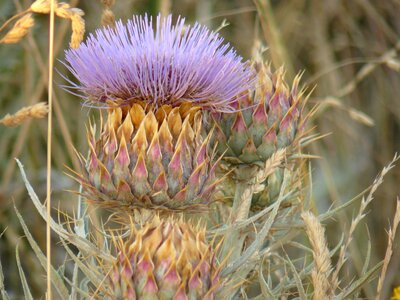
pixel 169 65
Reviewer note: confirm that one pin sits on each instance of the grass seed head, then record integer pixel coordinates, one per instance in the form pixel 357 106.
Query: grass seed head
pixel 38 111
pixel 19 30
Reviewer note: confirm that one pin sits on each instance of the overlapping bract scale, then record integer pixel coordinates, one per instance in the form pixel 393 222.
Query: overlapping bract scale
pixel 166 259
pixel 150 158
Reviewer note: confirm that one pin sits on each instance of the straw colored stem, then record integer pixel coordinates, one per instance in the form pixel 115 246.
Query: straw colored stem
pixel 389 250
pixel 272 35
pixel 49 138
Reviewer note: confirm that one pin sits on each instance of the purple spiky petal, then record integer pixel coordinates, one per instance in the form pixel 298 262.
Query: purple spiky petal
pixel 170 64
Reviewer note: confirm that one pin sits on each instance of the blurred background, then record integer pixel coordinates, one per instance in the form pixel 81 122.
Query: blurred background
pixel 348 50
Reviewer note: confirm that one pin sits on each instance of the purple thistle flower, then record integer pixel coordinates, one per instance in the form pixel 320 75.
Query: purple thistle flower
pixel 172 64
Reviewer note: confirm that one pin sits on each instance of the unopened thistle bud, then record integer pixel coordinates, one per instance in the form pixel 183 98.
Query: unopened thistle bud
pixel 268 120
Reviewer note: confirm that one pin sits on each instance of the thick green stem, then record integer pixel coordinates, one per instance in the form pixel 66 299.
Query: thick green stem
pixel 234 238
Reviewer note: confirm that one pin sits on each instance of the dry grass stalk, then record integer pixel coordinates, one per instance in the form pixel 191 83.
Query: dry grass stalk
pixel 108 3
pixel 322 260
pixel 19 30
pixel 107 17
pixel 355 221
pixel 36 111
pixel 64 11
pixel 389 249
pixel 356 115
pixel 271 165
pixel 78 28
pixel 367 70
pixel 53 8
pixel 165 7
pixel 41 6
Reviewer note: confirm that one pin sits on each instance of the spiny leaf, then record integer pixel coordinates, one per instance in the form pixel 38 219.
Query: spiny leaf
pixel 25 286
pixel 2 288
pixel 348 292
pixel 299 284
pixel 75 239
pixel 56 280
pixel 90 273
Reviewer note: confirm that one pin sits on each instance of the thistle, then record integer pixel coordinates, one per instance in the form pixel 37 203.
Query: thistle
pixel 156 83
pixel 171 64
pixel 268 120
pixel 164 260
pixel 150 159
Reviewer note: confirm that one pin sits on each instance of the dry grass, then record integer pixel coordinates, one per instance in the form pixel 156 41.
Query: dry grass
pixel 356 220
pixel 19 30
pixel 49 151
pixel 107 16
pixel 389 250
pixel 36 111
pixel 64 11
pixel 322 260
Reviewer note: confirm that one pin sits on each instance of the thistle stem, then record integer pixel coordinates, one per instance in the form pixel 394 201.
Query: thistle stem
pixel 234 242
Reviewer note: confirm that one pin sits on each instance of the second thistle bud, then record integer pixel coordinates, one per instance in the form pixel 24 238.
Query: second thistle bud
pixel 268 120
pixel 265 121
pixel 165 260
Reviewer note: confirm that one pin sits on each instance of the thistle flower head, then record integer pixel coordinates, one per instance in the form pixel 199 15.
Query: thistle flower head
pixel 167 259
pixel 170 64
pixel 146 158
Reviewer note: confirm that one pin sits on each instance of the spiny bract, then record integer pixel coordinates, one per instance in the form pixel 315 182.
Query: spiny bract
pixel 167 259
pixel 268 120
pixel 170 64
pixel 150 159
